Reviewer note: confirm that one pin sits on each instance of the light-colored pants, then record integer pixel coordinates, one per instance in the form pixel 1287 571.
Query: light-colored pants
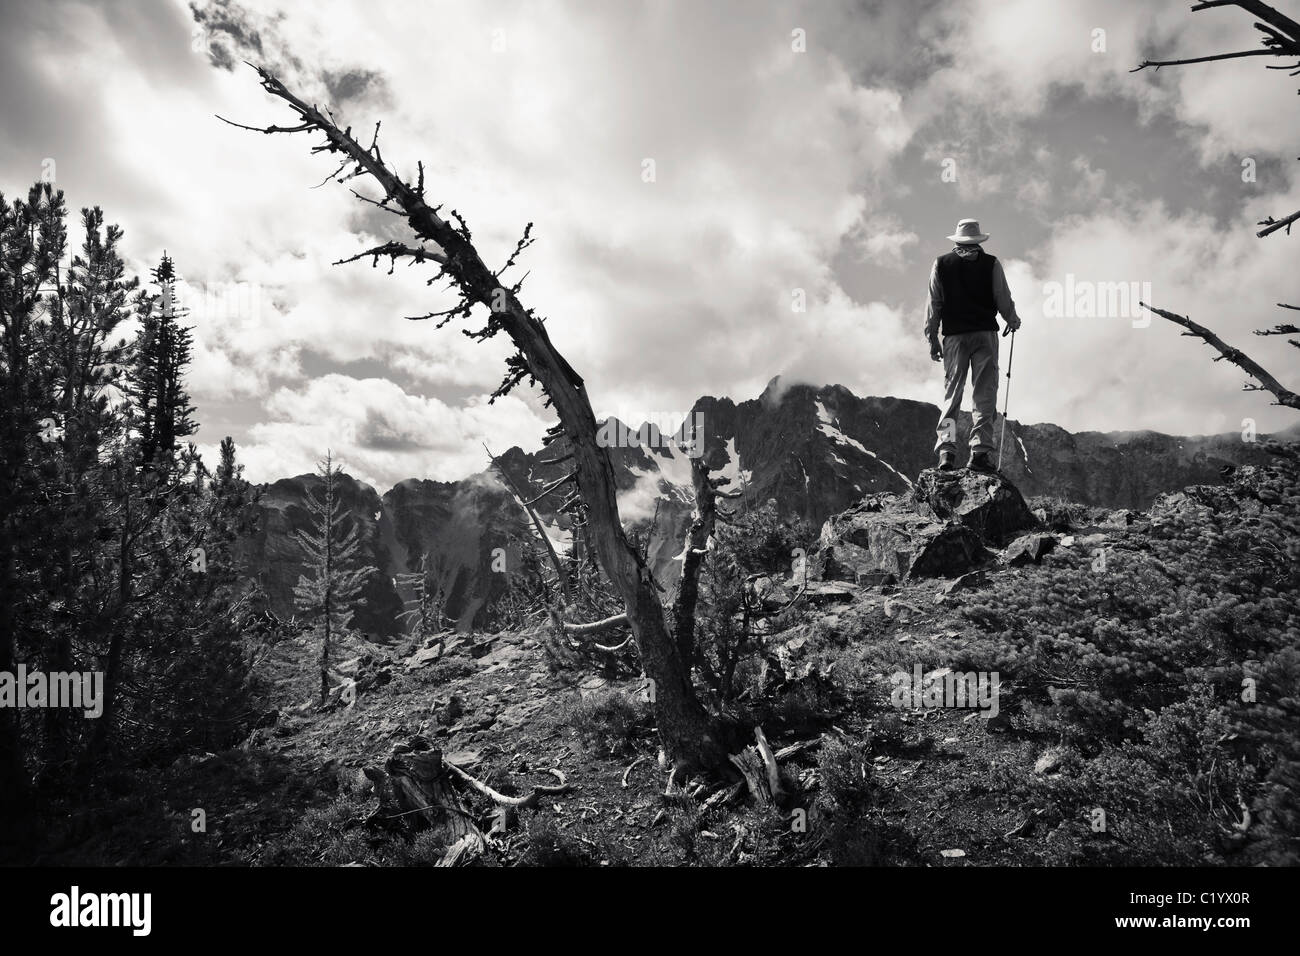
pixel 976 353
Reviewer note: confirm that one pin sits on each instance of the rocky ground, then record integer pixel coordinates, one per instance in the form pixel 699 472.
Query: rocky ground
pixel 886 582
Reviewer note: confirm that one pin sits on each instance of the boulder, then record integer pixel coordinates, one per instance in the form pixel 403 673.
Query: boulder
pixel 1055 515
pixel 875 579
pixel 1121 518
pixel 833 592
pixel 967 582
pixel 861 542
pixel 423 657
pixel 946 527
pixel 1049 761
pixel 987 504
pixel 1029 549
pixel 770 592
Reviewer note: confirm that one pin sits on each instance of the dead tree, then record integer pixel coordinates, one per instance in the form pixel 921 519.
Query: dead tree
pixel 1237 357
pixel 563 629
pixel 425 616
pixel 1281 40
pixel 697 548
pixel 415 788
pixel 758 765
pixel 562 579
pixel 690 735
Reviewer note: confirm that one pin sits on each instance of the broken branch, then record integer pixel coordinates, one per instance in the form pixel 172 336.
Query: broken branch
pixel 1237 357
pixel 501 799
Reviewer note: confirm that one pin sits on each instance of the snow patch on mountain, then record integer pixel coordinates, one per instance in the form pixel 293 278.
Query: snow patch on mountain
pixel 1025 454
pixel 739 477
pixel 828 427
pixel 674 465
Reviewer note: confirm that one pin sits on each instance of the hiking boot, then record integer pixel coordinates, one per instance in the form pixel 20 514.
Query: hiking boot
pixel 947 461
pixel 980 461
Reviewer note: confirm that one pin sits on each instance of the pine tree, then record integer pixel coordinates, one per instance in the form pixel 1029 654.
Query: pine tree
pixel 102 563
pixel 33 235
pixel 231 513
pixel 227 470
pixel 332 547
pixel 85 366
pixel 424 613
pixel 158 374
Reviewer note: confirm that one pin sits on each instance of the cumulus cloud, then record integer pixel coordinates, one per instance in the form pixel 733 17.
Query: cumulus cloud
pixel 381 433
pixel 1102 369
pixel 781 173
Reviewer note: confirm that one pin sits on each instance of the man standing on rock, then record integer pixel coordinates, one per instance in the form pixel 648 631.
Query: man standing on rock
pixel 968 289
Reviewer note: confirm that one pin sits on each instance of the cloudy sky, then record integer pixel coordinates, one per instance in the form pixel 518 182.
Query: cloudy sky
pixel 822 147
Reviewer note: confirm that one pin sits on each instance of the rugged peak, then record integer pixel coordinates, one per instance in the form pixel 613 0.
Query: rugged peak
pixel 781 389
pixel 299 483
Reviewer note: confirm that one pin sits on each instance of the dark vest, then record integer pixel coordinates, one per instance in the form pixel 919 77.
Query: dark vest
pixel 967 284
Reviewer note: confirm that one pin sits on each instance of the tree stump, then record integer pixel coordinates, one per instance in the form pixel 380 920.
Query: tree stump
pixel 415 789
pixel 757 764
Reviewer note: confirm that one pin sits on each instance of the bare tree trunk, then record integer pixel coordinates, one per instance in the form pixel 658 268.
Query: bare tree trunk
pixel 120 622
pixel 328 528
pixel 13 785
pixel 690 735
pixel 697 543
pixel 562 578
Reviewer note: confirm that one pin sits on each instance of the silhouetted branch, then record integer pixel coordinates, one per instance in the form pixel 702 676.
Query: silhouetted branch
pixel 1283 329
pixel 1237 357
pixel 1275 224
pixel 692 737
pixel 1201 59
pixel 395 251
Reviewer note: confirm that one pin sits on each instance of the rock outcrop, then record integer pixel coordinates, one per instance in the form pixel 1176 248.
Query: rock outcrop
pixel 949 525
pixel 1029 549
pixel 989 505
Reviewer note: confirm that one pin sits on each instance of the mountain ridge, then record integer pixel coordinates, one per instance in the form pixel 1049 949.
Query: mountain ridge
pixel 813 451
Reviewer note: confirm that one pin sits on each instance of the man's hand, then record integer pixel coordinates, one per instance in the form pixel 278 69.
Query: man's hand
pixel 936 353
pixel 1011 327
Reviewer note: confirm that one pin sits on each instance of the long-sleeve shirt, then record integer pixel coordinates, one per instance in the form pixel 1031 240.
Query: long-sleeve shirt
pixel 1001 295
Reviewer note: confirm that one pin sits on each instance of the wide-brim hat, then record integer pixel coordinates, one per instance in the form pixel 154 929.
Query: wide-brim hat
pixel 968 231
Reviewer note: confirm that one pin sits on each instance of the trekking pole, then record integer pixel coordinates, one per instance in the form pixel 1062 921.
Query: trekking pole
pixel 1007 403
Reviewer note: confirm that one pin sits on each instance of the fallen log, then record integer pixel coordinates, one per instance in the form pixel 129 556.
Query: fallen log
pixel 518 803
pixel 723 796
pixel 594 627
pixel 629 769
pixel 785 753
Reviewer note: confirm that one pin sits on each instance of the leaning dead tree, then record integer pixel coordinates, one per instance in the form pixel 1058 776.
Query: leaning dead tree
pixel 691 737
pixel 1281 39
